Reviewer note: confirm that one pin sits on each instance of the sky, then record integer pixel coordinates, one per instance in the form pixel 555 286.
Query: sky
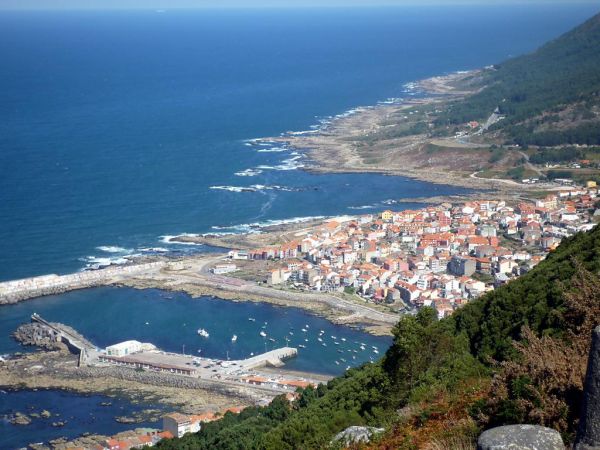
pixel 170 4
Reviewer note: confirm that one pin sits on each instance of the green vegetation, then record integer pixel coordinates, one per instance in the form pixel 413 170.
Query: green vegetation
pixel 525 89
pixel 438 373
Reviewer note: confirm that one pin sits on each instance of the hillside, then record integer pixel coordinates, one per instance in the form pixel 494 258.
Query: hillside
pixel 549 97
pixel 434 385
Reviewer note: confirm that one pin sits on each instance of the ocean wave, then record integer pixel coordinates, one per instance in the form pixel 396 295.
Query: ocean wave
pixel 256 188
pixel 113 249
pixel 168 239
pixel 256 227
pixel 273 150
pixel 248 173
pixel 362 207
pixel 292 163
pixel 153 250
pixel 97 262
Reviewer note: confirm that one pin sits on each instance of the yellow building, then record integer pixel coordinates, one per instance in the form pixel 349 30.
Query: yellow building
pixel 387 215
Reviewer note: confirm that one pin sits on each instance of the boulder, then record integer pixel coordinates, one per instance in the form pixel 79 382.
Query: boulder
pixel 588 433
pixel 520 437
pixel 354 435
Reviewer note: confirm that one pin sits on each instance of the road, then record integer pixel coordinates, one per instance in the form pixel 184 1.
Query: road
pixel 198 274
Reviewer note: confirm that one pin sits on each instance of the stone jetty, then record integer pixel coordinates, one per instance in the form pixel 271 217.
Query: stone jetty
pixel 17 290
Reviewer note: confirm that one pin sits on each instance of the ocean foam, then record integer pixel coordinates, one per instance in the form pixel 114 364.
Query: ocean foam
pixel 113 249
pixel 256 227
pixel 168 239
pixel 255 188
pixel 248 173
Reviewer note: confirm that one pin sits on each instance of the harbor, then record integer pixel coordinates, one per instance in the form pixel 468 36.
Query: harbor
pixel 139 356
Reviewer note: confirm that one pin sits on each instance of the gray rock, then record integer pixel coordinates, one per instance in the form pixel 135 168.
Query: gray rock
pixel 520 437
pixel 588 434
pixel 354 435
pixel 20 419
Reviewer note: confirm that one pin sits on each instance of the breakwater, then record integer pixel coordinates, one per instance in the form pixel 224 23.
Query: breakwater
pixel 26 288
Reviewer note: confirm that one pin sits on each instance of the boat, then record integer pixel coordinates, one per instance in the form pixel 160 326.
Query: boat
pixel 337 362
pixel 342 360
pixel 305 340
pixel 263 334
pixel 251 319
pixel 324 344
pixel 319 339
pixel 344 339
pixel 302 346
pixel 147 323
pixel 291 333
pixel 336 343
pixel 376 352
pixel 362 347
pixel 202 332
pixel 304 330
pixel 234 338
pixel 272 340
pixel 333 337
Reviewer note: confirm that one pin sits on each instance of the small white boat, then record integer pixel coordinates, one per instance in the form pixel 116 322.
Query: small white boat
pixel 147 323
pixel 302 346
pixel 333 337
pixel 324 344
pixel 376 352
pixel 291 333
pixel 362 347
pixel 234 338
pixel 272 340
pixel 251 319
pixel 336 343
pixel 337 362
pixel 304 330
pixel 305 340
pixel 202 332
pixel 263 334
pixel 344 339
pixel 319 339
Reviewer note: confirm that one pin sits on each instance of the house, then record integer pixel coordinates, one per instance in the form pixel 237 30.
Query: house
pixel 462 265
pixel 179 424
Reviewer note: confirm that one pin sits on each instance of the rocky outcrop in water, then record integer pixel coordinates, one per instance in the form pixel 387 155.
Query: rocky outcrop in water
pixel 20 419
pixel 37 335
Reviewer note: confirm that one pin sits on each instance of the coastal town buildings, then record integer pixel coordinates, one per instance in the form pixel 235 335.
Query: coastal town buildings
pixel 441 256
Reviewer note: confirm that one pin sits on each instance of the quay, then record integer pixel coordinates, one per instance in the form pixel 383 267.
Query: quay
pixel 17 290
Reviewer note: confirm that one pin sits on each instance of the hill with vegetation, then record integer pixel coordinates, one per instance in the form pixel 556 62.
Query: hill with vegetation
pixel 515 355
pixel 549 97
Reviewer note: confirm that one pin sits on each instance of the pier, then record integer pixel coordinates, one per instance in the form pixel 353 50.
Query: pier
pixel 73 340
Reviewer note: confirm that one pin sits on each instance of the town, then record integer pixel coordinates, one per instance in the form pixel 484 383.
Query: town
pixel 441 256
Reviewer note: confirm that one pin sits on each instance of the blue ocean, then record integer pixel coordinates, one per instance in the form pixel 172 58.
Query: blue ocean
pixel 114 126
pixel 119 129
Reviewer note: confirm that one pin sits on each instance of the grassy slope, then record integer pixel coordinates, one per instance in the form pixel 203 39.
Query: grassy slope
pixel 564 71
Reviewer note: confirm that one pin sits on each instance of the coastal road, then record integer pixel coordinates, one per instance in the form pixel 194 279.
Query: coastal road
pixel 196 273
